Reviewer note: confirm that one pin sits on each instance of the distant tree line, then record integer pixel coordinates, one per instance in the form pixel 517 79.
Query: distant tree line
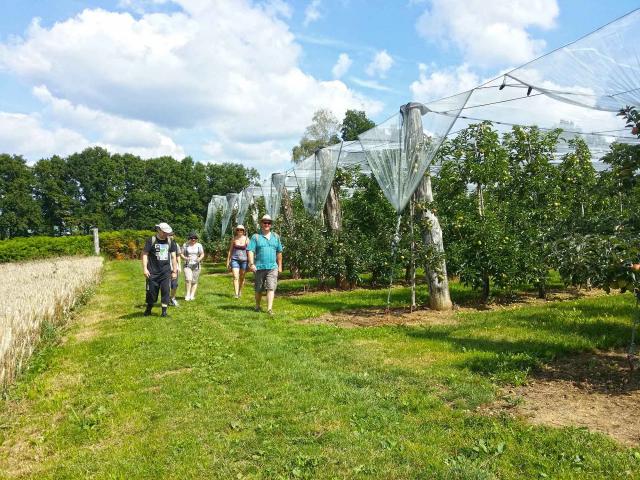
pixel 95 188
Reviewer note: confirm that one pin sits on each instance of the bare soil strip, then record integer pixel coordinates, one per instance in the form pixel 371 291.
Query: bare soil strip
pixel 377 316
pixel 592 390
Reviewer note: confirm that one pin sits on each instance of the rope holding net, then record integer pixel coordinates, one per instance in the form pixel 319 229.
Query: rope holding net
pixel 394 250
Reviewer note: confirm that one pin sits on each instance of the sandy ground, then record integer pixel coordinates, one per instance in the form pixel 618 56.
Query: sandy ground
pixel 593 390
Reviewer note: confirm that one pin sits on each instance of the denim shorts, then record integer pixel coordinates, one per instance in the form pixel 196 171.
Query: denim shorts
pixel 241 264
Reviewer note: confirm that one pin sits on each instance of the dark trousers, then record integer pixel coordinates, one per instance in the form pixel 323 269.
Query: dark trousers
pixel 158 283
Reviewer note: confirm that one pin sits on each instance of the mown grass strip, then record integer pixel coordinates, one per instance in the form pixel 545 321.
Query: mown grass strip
pixel 219 391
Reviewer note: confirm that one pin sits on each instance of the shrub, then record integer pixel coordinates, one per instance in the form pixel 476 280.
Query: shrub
pixel 118 245
pixel 29 248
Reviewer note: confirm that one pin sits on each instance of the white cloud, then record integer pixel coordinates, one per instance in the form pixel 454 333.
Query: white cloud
pixel 372 84
pixel 312 12
pixel 342 66
pixel 121 134
pixel 434 84
pixel 380 65
pixel 160 71
pixel 489 33
pixel 25 135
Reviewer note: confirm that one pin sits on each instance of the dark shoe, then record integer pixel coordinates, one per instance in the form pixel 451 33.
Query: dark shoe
pixel 147 311
pixel 164 312
pixel 257 309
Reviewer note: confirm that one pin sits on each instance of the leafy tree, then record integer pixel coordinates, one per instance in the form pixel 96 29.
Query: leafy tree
pixel 533 196
pixel 322 132
pixel 355 122
pixel 19 210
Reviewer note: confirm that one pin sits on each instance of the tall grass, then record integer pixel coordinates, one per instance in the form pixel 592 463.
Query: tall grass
pixel 35 293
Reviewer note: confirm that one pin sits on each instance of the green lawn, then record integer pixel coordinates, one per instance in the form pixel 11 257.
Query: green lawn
pixel 220 391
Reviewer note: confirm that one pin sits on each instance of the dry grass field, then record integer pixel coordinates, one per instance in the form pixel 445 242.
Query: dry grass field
pixel 38 293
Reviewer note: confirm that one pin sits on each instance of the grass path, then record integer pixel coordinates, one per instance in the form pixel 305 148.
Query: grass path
pixel 219 391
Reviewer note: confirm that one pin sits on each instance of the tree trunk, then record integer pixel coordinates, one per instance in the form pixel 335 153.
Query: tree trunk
pixel 287 210
pixel 332 211
pixel 439 297
pixel 486 287
pixel 333 220
pixel 542 288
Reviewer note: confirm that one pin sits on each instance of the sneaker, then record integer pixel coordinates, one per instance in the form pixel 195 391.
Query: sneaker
pixel 164 312
pixel 270 312
pixel 236 296
pixel 257 309
pixel 174 302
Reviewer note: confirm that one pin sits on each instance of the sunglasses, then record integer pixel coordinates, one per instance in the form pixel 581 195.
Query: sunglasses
pixel 266 223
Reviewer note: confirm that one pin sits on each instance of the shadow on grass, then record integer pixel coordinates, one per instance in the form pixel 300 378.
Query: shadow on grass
pixel 550 336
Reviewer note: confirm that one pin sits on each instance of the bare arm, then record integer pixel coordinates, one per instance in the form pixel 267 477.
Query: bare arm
pixel 174 262
pixel 279 260
pixel 229 253
pixel 145 262
pixel 252 265
pixel 201 256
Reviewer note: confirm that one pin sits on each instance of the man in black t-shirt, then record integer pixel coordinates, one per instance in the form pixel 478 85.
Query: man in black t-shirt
pixel 159 266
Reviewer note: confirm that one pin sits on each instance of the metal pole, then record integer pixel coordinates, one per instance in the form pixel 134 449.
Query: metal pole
pixel 96 241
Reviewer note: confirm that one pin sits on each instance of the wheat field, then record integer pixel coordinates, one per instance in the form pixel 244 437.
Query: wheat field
pixel 34 293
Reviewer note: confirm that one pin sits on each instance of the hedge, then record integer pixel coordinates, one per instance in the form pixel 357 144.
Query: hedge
pixel 118 245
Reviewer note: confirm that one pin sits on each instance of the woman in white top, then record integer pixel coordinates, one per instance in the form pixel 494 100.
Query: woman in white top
pixel 193 254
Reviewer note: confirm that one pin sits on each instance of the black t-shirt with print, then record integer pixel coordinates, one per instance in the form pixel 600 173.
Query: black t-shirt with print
pixel 159 255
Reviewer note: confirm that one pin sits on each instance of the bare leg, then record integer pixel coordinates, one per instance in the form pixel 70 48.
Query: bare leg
pixel 194 287
pixel 270 295
pixel 241 281
pixel 187 290
pixel 258 299
pixel 236 280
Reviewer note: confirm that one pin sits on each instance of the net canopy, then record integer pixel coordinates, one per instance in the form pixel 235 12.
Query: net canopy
pixel 578 88
pixel 399 151
pixel 217 205
pixel 600 70
pixel 232 201
pixel 314 176
pixel 245 200
pixel 208 224
pixel 272 193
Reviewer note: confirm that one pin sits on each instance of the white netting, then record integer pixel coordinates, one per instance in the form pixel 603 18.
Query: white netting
pixel 216 207
pixel 600 70
pixel 245 201
pixel 315 175
pixel 399 157
pixel 232 201
pixel 272 193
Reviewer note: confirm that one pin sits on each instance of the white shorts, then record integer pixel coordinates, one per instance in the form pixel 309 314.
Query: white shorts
pixel 191 275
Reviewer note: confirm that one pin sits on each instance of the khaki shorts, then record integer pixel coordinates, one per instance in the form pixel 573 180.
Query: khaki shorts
pixel 265 280
pixel 191 275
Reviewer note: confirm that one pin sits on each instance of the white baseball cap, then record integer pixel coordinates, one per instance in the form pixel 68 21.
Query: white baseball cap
pixel 266 217
pixel 240 227
pixel 165 227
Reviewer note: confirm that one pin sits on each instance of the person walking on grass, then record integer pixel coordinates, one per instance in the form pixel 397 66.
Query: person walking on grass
pixel 193 254
pixel 265 261
pixel 174 281
pixel 159 266
pixel 237 259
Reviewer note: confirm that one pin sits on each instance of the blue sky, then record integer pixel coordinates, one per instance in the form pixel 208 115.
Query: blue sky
pixel 238 80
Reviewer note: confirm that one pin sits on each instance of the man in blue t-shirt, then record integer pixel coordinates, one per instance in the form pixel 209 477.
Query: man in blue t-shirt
pixel 265 261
